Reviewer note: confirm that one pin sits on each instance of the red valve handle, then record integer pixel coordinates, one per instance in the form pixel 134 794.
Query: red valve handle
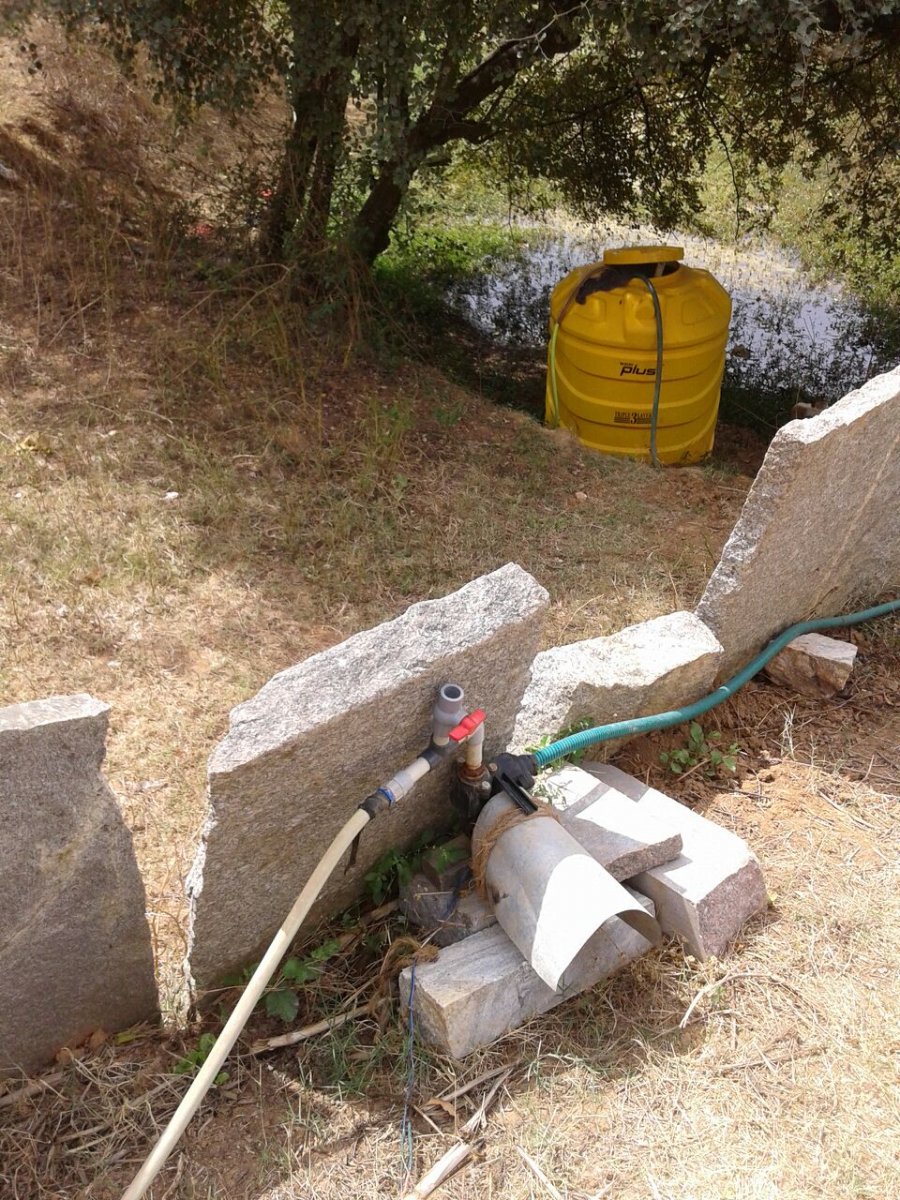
pixel 467 725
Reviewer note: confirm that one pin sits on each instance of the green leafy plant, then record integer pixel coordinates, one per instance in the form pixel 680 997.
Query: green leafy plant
pixel 445 856
pixel 701 750
pixel 197 1057
pixel 578 726
pixel 282 1000
pixel 396 868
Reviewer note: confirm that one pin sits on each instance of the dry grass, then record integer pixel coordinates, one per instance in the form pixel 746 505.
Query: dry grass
pixel 201 481
pixel 320 489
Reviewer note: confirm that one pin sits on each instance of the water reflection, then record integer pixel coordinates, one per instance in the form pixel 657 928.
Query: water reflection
pixel 791 339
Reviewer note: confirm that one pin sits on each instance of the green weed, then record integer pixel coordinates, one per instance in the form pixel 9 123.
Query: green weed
pixel 195 1058
pixel 395 868
pixel 701 750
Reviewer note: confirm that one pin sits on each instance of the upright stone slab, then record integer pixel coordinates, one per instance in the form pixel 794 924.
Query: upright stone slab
pixel 820 527
pixel 643 669
pixel 75 951
pixel 310 746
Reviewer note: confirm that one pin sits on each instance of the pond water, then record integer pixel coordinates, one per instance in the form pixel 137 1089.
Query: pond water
pixel 791 338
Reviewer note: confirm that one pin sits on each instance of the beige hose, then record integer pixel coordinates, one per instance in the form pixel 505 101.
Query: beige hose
pixel 244 1007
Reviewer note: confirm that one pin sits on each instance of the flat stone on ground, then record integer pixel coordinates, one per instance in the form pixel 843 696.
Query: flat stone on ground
pixel 75 949
pixel 481 988
pixel 706 894
pixel 302 755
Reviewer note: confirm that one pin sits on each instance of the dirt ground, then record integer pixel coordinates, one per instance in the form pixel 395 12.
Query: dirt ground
pixel 196 493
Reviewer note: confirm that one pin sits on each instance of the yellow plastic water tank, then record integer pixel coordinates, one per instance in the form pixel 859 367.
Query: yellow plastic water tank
pixel 604 352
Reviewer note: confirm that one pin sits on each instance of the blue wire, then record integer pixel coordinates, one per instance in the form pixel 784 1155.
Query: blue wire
pixel 406 1129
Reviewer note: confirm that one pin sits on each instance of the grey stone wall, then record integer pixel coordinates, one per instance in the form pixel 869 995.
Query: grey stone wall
pixel 309 747
pixel 75 952
pixel 820 528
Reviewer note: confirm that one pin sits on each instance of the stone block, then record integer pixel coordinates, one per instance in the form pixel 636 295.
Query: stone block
pixel 813 665
pixel 820 527
pixel 75 949
pixel 443 913
pixel 623 837
pixel 310 746
pixel 481 988
pixel 646 668
pixel 447 865
pixel 706 894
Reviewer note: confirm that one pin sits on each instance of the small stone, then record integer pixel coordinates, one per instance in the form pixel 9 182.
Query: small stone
pixel 443 913
pixel 447 866
pixel 813 665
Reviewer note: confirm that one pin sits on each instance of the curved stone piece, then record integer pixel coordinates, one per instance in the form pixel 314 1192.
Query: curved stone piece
pixel 551 897
pixel 319 737
pixel 75 950
pixel 820 527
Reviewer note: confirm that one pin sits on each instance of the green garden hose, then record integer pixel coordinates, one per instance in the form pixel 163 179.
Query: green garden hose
pixel 607 733
pixel 554 393
pixel 657 382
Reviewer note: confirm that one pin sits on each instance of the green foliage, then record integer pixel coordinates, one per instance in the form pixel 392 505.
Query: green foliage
pixel 197 1057
pixel 612 107
pixel 396 868
pixel 446 856
pixel 701 750
pixel 282 1000
pixel 413 275
pixel 282 1003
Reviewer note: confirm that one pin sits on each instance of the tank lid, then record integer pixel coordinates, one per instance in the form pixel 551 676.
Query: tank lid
pixel 633 255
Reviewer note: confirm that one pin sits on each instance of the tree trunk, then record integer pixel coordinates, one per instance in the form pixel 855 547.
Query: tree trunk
pixel 335 93
pixel 449 119
pixel 312 149
pixel 286 201
pixel 375 220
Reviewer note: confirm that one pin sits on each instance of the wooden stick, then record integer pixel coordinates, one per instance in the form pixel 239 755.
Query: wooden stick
pixel 31 1089
pixel 473 1083
pixel 308 1031
pixel 454 1158
pixel 442 1170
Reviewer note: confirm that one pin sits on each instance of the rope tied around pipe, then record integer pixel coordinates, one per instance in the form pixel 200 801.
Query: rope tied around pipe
pixel 508 820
